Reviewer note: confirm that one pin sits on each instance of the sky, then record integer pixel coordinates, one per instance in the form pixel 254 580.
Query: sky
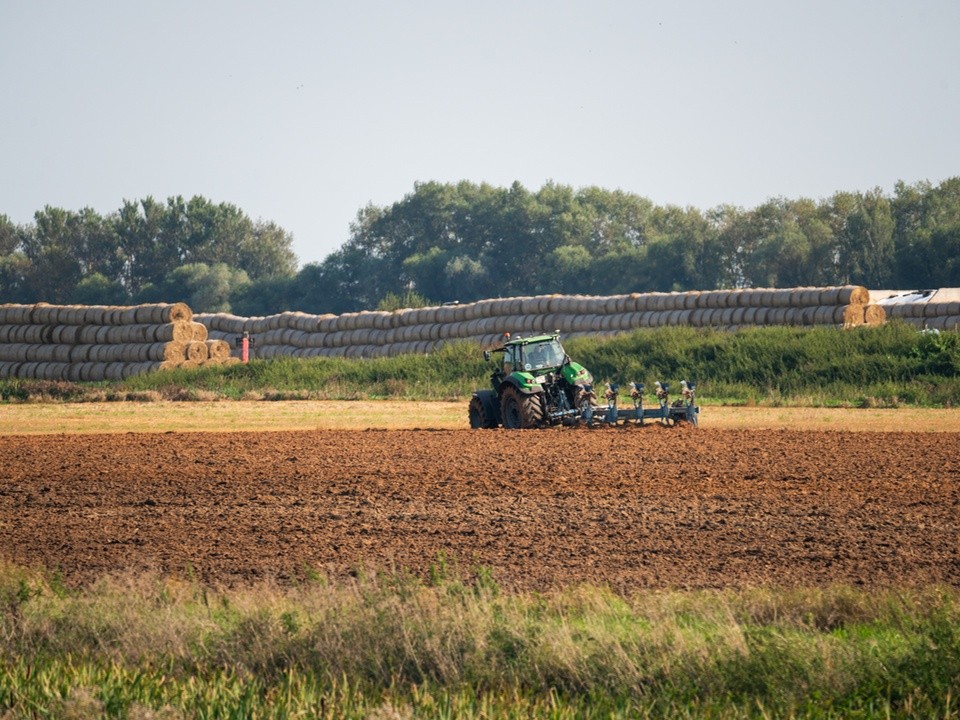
pixel 302 113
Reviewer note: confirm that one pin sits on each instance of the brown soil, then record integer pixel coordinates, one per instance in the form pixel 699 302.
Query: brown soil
pixel 632 508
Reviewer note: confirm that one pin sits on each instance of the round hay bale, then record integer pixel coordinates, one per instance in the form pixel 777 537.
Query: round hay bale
pixel 184 331
pixel 807 314
pixel 691 300
pixel 791 315
pixel 781 298
pixel 161 313
pixel 675 301
pixel 700 317
pixel 165 351
pixel 829 296
pixel 726 316
pixel 749 316
pixel 852 315
pixel 527 305
pixel 778 316
pixel 196 351
pixel 874 315
pixel 217 349
pixel 127 316
pixel 87 335
pixel 483 308
pixel 761 315
pixel 823 315
pixel 177 312
pixel 919 309
pixel 41 314
pixel 766 297
pixel 738 315
pixel 853 295
pixel 70 334
pixel 38 334
pixel 129 353
pixel 113 371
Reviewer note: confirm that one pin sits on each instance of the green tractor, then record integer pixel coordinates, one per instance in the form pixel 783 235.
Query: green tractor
pixel 536 384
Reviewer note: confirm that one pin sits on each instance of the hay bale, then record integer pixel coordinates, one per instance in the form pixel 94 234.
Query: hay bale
pixel 699 317
pixel 853 295
pixel 196 351
pixel 852 315
pixel 874 315
pixel 691 300
pixel 781 298
pixel 162 313
pixel 216 350
pixel 791 315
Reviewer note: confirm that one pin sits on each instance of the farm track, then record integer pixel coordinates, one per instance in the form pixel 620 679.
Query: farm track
pixel 632 508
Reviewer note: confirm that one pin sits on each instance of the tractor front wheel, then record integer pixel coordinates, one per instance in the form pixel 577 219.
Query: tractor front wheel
pixel 521 411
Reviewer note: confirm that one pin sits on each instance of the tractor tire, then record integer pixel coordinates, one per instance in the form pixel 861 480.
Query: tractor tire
pixel 520 411
pixel 479 415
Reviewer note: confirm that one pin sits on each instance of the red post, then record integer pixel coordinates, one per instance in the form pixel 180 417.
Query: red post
pixel 245 347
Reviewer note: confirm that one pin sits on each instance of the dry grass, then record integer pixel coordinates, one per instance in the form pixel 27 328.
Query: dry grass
pixel 202 416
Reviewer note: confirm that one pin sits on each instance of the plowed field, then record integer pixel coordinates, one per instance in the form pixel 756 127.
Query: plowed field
pixel 632 508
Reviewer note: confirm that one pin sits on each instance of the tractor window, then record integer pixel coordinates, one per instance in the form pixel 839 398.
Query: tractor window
pixel 543 355
pixel 509 358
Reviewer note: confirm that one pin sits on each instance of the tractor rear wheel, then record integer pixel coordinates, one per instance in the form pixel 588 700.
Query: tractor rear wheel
pixel 521 411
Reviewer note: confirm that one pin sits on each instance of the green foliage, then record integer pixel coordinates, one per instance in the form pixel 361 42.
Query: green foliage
pixel 394 645
pixel 72 256
pixel 409 299
pixel 464 241
pixel 889 365
pixel 203 287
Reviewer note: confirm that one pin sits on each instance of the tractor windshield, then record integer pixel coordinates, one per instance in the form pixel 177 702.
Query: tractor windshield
pixel 543 355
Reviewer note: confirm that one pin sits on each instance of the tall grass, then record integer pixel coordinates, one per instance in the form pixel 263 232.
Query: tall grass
pixel 393 646
pixel 872 366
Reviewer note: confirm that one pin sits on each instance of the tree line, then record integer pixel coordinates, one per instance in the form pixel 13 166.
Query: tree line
pixel 465 241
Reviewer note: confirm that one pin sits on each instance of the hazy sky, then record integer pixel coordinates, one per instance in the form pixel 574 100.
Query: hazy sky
pixel 304 112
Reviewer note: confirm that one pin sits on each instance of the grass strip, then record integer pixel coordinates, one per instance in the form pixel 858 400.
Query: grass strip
pixel 886 366
pixel 458 645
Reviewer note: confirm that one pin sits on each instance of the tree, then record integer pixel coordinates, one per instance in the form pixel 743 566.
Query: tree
pixel 867 248
pixel 205 288
pixel 97 289
pixel 54 255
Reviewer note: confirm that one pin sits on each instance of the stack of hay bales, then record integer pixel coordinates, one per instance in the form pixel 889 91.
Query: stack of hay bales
pixel 423 330
pixel 98 342
pixel 925 309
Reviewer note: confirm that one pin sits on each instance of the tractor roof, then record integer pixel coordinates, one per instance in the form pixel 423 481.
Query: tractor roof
pixel 532 340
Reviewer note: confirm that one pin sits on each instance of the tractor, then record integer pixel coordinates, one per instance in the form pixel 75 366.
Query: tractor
pixel 536 384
